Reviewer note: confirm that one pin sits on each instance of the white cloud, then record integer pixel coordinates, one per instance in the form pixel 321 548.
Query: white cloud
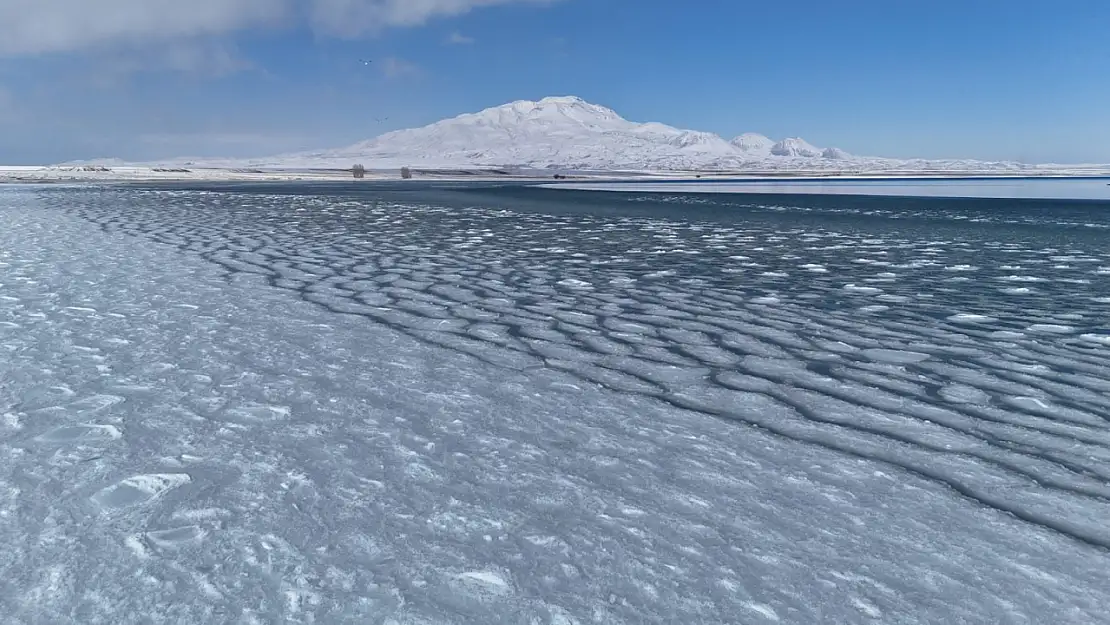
pixel 351 18
pixel 205 58
pixel 394 67
pixel 29 27
pixel 44 26
pixel 457 38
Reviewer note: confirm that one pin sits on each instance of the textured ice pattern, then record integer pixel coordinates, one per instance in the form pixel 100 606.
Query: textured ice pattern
pixel 418 408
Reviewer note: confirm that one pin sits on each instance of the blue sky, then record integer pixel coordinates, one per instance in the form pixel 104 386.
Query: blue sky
pixel 139 79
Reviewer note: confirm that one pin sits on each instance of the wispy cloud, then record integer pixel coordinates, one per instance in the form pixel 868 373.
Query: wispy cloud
pixel 32 27
pixel 352 18
pixel 394 67
pixel 200 58
pixel 457 38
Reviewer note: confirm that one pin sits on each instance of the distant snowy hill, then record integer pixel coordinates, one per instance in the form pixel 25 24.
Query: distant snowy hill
pixel 556 132
pixel 795 147
pixel 569 133
pixel 835 154
pixel 753 143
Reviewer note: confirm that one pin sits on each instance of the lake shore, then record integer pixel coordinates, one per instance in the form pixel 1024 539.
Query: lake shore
pixel 17 174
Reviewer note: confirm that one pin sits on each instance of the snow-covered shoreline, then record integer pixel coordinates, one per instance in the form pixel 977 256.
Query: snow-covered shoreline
pixel 46 174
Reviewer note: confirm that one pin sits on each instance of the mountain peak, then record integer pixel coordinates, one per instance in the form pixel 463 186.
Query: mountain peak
pixel 752 142
pixel 562 99
pixel 795 146
pixel 835 154
pixel 552 110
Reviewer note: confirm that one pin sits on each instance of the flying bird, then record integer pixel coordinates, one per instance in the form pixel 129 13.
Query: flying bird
pixel 365 62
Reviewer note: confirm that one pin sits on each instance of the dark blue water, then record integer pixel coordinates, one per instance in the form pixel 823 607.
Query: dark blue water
pixel 1076 188
pixel 968 215
pixel 1000 257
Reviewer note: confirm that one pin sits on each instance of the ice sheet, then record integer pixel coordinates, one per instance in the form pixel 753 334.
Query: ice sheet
pixel 223 407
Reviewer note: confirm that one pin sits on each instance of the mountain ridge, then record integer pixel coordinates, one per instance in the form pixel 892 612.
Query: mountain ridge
pixel 569 133
pixel 554 132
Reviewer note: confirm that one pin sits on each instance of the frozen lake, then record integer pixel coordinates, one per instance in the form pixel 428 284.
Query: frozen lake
pixel 418 404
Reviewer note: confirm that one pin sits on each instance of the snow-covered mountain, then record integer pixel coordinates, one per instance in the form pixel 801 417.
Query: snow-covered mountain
pixel 795 147
pixel 835 154
pixel 555 132
pixel 569 133
pixel 753 143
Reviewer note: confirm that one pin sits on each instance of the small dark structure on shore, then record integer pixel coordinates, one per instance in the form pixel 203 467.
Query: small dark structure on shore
pixel 359 171
pixel 406 173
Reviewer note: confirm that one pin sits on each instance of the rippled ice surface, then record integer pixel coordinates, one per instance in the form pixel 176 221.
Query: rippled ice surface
pixel 373 405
